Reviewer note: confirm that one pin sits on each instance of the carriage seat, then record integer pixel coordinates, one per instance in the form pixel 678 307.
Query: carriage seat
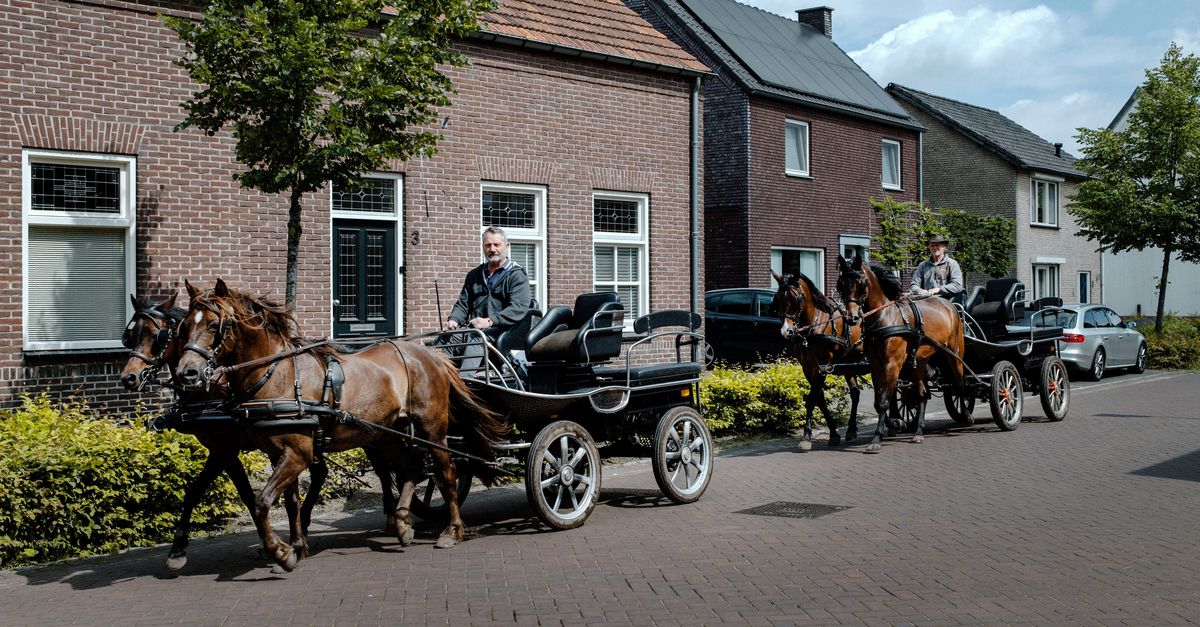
pixel 1000 301
pixel 589 333
pixel 515 338
pixel 1044 302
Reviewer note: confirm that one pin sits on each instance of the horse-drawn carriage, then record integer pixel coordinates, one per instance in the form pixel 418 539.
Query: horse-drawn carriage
pixel 916 348
pixel 420 419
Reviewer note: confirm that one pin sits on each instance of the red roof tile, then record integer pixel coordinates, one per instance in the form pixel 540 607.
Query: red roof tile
pixel 605 27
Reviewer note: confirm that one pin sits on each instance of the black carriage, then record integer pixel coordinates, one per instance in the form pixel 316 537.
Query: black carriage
pixel 562 383
pixel 1008 354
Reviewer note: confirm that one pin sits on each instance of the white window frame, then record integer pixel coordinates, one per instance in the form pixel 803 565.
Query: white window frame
pixel 777 262
pixel 535 236
pixel 1039 285
pixel 1033 200
pixel 861 241
pixel 397 217
pixel 899 184
pixel 787 135
pixel 126 220
pixel 639 240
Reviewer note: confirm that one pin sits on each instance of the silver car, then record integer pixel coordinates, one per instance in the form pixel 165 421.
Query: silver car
pixel 1095 339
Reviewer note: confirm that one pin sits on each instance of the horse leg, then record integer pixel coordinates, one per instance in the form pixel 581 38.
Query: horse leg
pixel 318 473
pixel 919 436
pixel 883 394
pixel 809 403
pixel 383 470
pixel 213 466
pixel 408 470
pixel 456 530
pixel 852 428
pixel 283 478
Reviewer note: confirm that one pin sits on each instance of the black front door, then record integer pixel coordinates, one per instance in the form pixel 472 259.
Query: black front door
pixel 364 278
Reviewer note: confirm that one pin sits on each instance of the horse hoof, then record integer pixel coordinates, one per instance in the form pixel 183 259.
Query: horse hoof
pixel 873 448
pixel 917 439
pixel 176 562
pixel 445 542
pixel 835 439
pixel 406 537
pixel 286 559
pixel 805 445
pixel 300 550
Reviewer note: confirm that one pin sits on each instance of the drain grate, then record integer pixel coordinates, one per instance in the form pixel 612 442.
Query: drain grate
pixel 786 509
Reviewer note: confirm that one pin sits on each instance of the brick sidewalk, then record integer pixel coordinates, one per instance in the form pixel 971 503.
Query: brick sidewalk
pixel 1087 521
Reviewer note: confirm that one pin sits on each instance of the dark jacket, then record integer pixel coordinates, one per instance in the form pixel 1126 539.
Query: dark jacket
pixel 506 304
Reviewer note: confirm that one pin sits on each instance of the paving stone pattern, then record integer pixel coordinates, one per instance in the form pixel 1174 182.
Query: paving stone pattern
pixel 1087 521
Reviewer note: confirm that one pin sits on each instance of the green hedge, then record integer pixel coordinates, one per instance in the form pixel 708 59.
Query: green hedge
pixel 1177 346
pixel 72 485
pixel 771 399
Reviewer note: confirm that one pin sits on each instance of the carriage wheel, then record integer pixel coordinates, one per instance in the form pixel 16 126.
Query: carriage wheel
pixel 960 408
pixel 683 455
pixel 429 502
pixel 907 410
pixel 562 475
pixel 1006 396
pixel 1055 391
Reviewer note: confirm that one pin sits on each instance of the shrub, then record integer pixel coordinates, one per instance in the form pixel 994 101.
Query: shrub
pixel 72 485
pixel 1177 346
pixel 770 399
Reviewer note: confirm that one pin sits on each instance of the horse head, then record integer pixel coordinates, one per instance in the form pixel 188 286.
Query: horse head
pixel 149 336
pixel 791 302
pixel 864 285
pixel 207 333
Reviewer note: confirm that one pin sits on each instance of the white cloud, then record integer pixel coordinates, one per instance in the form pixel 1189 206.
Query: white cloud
pixel 1055 118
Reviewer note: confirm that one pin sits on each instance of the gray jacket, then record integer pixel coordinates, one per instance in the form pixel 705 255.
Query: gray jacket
pixel 505 304
pixel 946 275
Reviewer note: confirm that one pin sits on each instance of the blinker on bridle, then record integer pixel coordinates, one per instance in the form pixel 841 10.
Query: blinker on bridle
pixel 162 339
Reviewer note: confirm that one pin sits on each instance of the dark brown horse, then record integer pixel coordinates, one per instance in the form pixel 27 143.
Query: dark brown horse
pixel 818 337
pixel 152 339
pixel 900 335
pixel 394 384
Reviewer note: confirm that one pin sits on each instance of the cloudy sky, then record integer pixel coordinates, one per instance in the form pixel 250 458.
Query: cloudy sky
pixel 1052 66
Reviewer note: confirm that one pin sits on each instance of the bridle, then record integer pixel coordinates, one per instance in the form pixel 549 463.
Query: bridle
pixel 158 348
pixel 211 353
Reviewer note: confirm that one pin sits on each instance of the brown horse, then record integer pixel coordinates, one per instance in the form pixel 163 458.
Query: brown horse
pixel 152 339
pixel 393 385
pixel 900 336
pixel 818 338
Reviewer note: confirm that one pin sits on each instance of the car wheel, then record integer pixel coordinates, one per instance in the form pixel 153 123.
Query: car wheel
pixel 1096 372
pixel 1139 366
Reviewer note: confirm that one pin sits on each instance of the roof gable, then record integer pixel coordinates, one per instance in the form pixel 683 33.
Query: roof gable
pixel 605 28
pixel 991 129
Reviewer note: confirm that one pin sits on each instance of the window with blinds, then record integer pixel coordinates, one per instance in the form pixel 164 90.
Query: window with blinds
pixel 521 211
pixel 79 249
pixel 620 243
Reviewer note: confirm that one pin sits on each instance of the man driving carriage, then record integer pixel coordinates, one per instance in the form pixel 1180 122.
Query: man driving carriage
pixel 494 297
pixel 939 275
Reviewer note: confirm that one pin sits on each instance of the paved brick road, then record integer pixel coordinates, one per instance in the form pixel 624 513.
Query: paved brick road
pixel 1089 521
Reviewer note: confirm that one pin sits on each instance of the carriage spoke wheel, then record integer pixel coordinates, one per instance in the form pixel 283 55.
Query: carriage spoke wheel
pixel 683 455
pixel 961 407
pixel 908 405
pixel 562 476
pixel 429 500
pixel 1006 396
pixel 1055 392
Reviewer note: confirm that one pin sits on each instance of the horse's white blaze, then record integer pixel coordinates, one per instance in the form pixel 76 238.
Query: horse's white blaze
pixel 196 320
pixel 786 329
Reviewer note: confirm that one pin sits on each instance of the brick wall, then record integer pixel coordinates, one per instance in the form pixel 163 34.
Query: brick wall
pixel 845 167
pixel 1055 243
pixel 98 77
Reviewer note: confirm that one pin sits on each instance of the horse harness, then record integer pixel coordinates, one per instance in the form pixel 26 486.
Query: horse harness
pixel 913 331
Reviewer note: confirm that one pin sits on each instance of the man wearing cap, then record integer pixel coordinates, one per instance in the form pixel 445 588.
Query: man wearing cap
pixel 939 275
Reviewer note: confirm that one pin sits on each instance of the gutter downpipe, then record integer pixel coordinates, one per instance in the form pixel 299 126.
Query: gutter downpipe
pixel 921 167
pixel 694 181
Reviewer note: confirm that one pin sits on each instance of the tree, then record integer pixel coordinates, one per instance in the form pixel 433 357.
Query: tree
pixel 321 91
pixel 1145 186
pixel 982 243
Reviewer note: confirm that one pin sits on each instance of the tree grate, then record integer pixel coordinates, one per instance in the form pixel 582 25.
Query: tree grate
pixel 787 509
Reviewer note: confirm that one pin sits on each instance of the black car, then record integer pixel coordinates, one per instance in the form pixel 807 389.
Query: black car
pixel 741 326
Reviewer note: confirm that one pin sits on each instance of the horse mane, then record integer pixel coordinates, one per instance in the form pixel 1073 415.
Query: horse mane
pixel 888 281
pixel 820 300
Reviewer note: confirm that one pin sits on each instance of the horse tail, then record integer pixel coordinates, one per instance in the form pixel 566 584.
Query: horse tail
pixel 482 426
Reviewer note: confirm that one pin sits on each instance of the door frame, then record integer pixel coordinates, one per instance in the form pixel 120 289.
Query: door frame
pixel 396 218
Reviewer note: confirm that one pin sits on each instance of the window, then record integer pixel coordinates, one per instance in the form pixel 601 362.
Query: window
pixel 1085 283
pixel 367 255
pixel 521 211
pixel 891 164
pixel 809 261
pixel 1095 319
pixel 796 147
pixel 1044 203
pixel 620 236
pixel 78 262
pixel 854 244
pixel 1113 319
pixel 764 306
pixel 1045 281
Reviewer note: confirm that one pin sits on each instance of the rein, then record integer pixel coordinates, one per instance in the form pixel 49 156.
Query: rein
pixel 221 371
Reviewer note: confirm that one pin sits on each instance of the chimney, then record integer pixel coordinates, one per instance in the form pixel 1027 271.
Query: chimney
pixel 1057 149
pixel 820 18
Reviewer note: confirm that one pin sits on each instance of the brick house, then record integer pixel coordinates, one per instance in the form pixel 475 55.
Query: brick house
pixel 571 128
pixel 975 159
pixel 797 138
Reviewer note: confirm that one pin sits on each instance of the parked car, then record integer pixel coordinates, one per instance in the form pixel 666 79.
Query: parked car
pixel 1095 339
pixel 740 325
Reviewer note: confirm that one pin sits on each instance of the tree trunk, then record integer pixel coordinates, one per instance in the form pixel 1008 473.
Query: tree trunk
pixel 293 249
pixel 1162 290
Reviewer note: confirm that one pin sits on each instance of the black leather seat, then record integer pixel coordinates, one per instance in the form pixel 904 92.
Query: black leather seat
pixel 515 338
pixel 588 334
pixel 999 302
pixel 1044 302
